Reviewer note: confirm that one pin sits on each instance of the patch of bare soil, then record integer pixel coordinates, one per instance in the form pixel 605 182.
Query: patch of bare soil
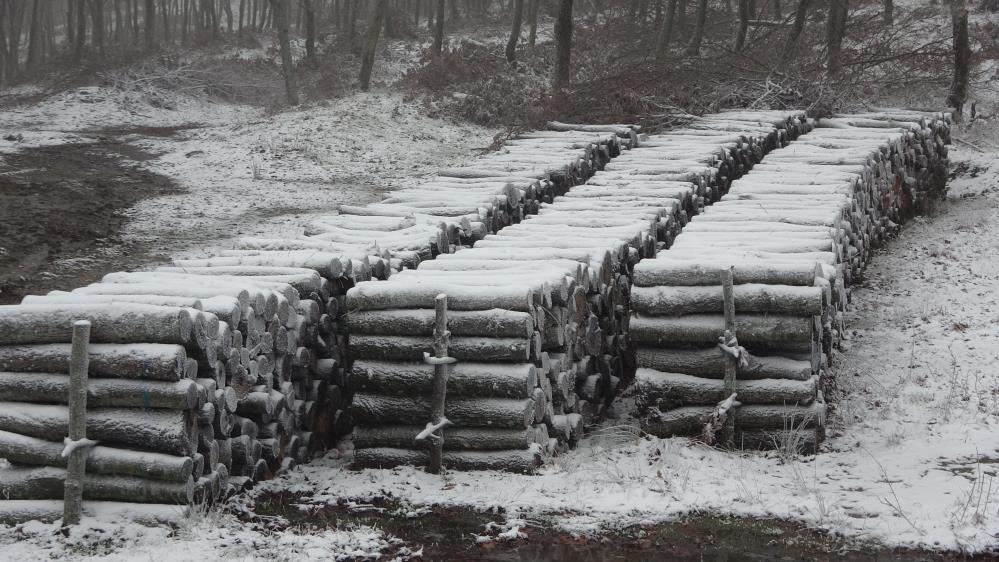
pixel 61 211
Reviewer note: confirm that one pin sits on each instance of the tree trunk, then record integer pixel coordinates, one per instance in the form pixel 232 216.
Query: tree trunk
pixel 35 37
pixel 790 333
pixel 406 348
pixel 835 31
pixel 740 37
pixel 563 45
pixel 962 56
pixel 670 390
pixel 694 48
pixel 791 47
pixel 532 36
pixel 511 44
pixel 677 301
pixel 280 10
pixel 439 28
pixel 47 483
pixel 150 21
pixel 889 13
pixel 509 460
pixel 81 29
pixel 310 31
pixel 54 388
pixel 660 272
pixel 117 323
pixel 375 22
pixel 420 322
pixel 710 362
pixel 666 30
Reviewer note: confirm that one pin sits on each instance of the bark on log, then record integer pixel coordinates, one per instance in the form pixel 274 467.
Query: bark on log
pixel 689 420
pixel 678 301
pixel 791 333
pixel 495 380
pixel 47 483
pixel 373 409
pixel 668 390
pixel 118 323
pixel 54 387
pixel 385 296
pixel 161 362
pixel 665 272
pixel 420 322
pixel 101 460
pixel 168 431
pixel 710 363
pixel 474 348
pixel 458 438
pixel 13 512
pixel 510 460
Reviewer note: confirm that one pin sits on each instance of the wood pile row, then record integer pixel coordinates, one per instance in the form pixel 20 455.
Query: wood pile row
pixel 794 233
pixel 538 312
pixel 216 372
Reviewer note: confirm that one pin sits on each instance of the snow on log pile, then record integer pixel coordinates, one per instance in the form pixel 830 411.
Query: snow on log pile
pixel 794 232
pixel 537 312
pixel 216 372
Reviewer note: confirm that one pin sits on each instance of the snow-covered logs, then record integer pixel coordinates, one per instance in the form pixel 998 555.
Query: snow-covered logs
pixel 795 232
pixel 538 312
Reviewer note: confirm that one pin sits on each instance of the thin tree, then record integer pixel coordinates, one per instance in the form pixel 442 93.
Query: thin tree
pixel 835 30
pixel 962 56
pixel 150 20
pixel 375 24
pixel 532 35
pixel 666 30
pixel 796 28
pixel 97 14
pixel 35 55
pixel 438 45
pixel 740 36
pixel 310 31
pixel 511 45
pixel 563 44
pixel 280 10
pixel 81 30
pixel 694 47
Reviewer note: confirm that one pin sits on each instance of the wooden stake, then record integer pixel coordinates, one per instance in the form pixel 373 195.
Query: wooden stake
pixel 440 361
pixel 731 362
pixel 78 367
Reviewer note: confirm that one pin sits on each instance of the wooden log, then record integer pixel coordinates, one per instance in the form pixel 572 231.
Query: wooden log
pixel 689 420
pixel 47 483
pixel 384 296
pixel 458 438
pixel 372 409
pixel 668 390
pixel 117 323
pixel 330 266
pixel 162 362
pixel 509 460
pixel 792 333
pixel 710 363
pixel 13 512
pixel 465 379
pixel 52 387
pixel 677 301
pixel 100 460
pixel 168 431
pixel 473 348
pixel 419 322
pixel 668 272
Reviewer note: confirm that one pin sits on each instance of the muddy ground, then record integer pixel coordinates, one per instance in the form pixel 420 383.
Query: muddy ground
pixel 61 212
pixel 450 534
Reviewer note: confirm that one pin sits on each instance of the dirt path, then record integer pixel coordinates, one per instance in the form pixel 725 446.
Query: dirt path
pixel 61 214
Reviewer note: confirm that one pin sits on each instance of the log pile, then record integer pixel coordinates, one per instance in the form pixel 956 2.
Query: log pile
pixel 538 312
pixel 793 234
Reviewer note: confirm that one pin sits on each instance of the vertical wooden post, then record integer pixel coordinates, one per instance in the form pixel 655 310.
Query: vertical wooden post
pixel 731 362
pixel 79 360
pixel 441 340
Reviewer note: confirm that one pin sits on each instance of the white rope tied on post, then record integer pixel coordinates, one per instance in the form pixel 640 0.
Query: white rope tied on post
pixel 431 360
pixel 71 445
pixel 730 345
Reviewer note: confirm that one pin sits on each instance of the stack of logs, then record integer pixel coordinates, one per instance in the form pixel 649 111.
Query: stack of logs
pixel 539 311
pixel 216 372
pixel 794 233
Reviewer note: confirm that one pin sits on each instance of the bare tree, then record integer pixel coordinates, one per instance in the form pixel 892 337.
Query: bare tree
pixel 740 36
pixel 438 45
pixel 694 47
pixel 35 36
pixel 666 30
pixel 796 28
pixel 563 44
pixel 310 31
pixel 375 23
pixel 81 30
pixel 511 45
pixel 150 16
pixel 280 11
pixel 532 36
pixel 835 30
pixel 97 14
pixel 962 56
